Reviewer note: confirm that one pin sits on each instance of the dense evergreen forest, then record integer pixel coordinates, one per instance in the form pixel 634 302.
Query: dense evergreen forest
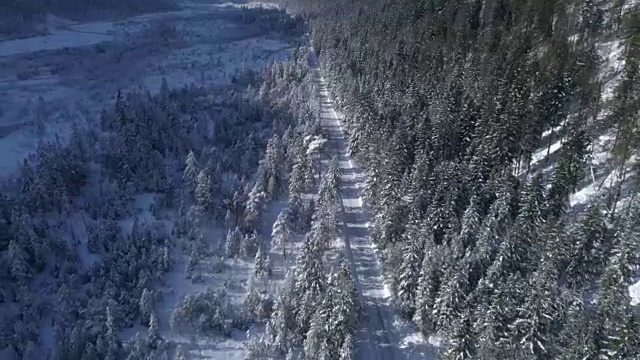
pixel 81 261
pixel 480 124
pixel 446 102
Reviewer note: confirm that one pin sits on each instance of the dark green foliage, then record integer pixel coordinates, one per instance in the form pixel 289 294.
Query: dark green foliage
pixel 445 104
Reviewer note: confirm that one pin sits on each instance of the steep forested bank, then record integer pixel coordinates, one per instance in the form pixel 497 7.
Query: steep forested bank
pixel 448 104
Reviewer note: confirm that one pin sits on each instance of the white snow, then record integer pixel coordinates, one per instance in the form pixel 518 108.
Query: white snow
pixel 634 292
pixel 610 74
pixel 248 5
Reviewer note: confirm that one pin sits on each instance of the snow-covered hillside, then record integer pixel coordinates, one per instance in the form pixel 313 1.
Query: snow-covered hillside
pixel 194 78
pixel 48 83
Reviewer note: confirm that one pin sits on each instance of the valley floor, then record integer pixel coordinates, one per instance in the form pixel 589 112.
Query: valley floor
pixel 48 83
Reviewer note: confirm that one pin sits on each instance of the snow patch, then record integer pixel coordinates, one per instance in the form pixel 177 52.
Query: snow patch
pixel 436 341
pixel 634 293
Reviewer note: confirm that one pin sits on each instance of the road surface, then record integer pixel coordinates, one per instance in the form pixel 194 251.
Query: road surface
pixel 379 336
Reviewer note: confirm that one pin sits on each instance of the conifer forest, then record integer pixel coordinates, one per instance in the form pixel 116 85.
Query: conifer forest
pixel 320 179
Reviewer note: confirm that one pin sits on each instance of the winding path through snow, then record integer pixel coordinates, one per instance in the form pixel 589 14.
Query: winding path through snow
pixel 380 335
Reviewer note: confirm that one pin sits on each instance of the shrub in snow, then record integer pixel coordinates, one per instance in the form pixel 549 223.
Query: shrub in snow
pixel 218 265
pixel 206 312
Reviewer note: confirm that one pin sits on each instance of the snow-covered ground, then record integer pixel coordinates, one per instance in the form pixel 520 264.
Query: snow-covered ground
pixel 381 334
pixel 602 174
pixel 49 82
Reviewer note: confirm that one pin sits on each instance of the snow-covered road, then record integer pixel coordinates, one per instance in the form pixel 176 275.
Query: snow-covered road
pixel 380 335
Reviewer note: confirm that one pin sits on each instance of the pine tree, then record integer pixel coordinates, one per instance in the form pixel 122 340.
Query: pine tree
pixel 274 163
pixel 291 355
pixel 20 270
pixel 112 342
pixel 154 337
pixel 190 173
pixel 295 212
pixel 329 191
pixel 298 176
pixel 469 230
pixel 309 283
pixel 429 285
pixel 282 321
pixel 262 268
pixel 314 338
pixel 493 319
pixel 281 233
pixel 452 297
pixel 233 243
pixel 146 306
pixel 339 309
pixel 181 354
pixel 590 246
pixel 462 344
pixel 618 327
pixel 166 259
pixel 203 192
pixel 539 320
pixel 347 352
pixel 250 245
pixel 578 338
pixel 90 352
pixel 192 264
pixel 253 211
pixel 409 271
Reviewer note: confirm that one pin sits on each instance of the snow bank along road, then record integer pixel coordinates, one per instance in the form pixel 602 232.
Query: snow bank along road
pixel 377 336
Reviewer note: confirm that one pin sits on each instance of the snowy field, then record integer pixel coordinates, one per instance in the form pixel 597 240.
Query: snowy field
pixel 49 82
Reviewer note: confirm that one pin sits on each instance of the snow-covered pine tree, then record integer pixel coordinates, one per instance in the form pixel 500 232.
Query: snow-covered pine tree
pixel 154 338
pixel 251 242
pixel 281 233
pixel 345 309
pixel 469 230
pixel 590 245
pixel 577 340
pixel 192 264
pixel 348 351
pixel 275 171
pixel 111 338
pixel 295 212
pixel 203 193
pixel 462 339
pixel 452 298
pixel 282 321
pixel 262 266
pixel 409 270
pixel 540 319
pixel 233 242
pixel 297 177
pixel 146 306
pixel 167 264
pixel 190 174
pixel 429 285
pixel 619 330
pixel 309 283
pixel 314 337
